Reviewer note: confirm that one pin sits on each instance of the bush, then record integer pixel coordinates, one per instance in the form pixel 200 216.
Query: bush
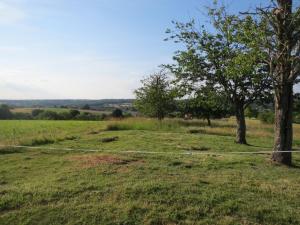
pixel 296 118
pixel 89 116
pixel 251 112
pixel 36 112
pixel 74 113
pixel 266 117
pixel 86 107
pixel 5 113
pixel 65 116
pixel 117 113
pixel 49 115
pixel 104 116
pixel 22 116
pixel 127 114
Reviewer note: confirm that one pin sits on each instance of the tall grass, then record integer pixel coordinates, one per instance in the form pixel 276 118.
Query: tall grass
pixel 143 124
pixel 167 124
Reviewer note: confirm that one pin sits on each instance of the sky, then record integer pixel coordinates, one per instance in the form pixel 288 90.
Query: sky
pixel 88 49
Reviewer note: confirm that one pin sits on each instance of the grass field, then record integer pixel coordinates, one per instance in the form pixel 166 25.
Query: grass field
pixel 113 186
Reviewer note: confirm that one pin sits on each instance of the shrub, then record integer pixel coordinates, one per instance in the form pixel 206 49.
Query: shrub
pixel 127 114
pixel 296 118
pixel 103 116
pixel 74 113
pixel 5 113
pixel 49 115
pixel 251 112
pixel 88 116
pixel 266 117
pixel 86 107
pixel 117 113
pixel 36 112
pixel 22 116
pixel 65 116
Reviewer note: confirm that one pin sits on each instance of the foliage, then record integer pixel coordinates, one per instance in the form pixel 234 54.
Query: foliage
pixel 86 107
pixel 5 112
pixel 36 112
pixel 117 113
pixel 74 113
pixel 267 117
pixel 156 97
pixel 225 59
pixel 22 116
pixel 89 116
pixel 208 103
pixel 49 115
pixel 251 111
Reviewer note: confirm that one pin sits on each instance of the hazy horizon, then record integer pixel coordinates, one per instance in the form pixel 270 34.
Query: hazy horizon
pixel 94 49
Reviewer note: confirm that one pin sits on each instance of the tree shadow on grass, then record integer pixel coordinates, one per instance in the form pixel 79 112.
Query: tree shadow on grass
pixel 5 151
pixel 260 146
pixel 209 132
pixel 295 166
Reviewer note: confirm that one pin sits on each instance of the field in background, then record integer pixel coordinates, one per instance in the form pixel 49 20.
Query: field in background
pixel 42 186
pixel 29 110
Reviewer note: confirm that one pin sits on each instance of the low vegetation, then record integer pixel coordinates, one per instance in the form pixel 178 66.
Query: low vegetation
pixel 6 113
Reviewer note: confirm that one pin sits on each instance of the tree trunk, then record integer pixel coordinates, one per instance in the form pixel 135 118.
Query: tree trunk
pixel 208 121
pixel 283 85
pixel 241 125
pixel 283 126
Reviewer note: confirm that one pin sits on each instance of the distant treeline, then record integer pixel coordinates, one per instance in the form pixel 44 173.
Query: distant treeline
pixel 95 104
pixel 262 112
pixel 72 114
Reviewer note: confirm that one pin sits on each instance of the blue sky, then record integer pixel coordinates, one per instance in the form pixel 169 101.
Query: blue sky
pixel 88 49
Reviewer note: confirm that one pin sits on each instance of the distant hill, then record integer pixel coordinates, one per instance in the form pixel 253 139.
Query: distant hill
pixel 71 103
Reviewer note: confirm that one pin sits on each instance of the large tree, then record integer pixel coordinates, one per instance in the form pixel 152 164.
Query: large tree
pixel 281 42
pixel 223 60
pixel 156 96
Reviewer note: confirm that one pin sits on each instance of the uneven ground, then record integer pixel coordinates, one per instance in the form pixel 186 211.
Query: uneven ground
pixel 113 186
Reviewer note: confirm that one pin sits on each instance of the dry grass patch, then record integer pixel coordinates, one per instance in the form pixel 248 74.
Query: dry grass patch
pixel 91 161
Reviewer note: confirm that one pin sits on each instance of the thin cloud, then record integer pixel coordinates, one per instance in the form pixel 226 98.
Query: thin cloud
pixel 9 90
pixel 11 14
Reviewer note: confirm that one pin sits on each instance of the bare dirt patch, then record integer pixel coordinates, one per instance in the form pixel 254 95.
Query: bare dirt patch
pixel 90 161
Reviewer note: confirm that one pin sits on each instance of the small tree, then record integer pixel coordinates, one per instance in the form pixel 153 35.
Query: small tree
pixel 251 112
pixel 36 112
pixel 117 113
pixel 86 107
pixel 207 103
pixel 156 97
pixel 74 113
pixel 5 112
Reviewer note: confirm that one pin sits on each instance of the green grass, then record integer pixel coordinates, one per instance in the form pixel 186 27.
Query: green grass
pixel 39 186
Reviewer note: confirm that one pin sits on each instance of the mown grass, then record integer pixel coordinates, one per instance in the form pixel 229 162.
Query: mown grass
pixel 116 187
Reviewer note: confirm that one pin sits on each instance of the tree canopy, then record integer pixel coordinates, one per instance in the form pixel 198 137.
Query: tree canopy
pixel 226 60
pixel 156 96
